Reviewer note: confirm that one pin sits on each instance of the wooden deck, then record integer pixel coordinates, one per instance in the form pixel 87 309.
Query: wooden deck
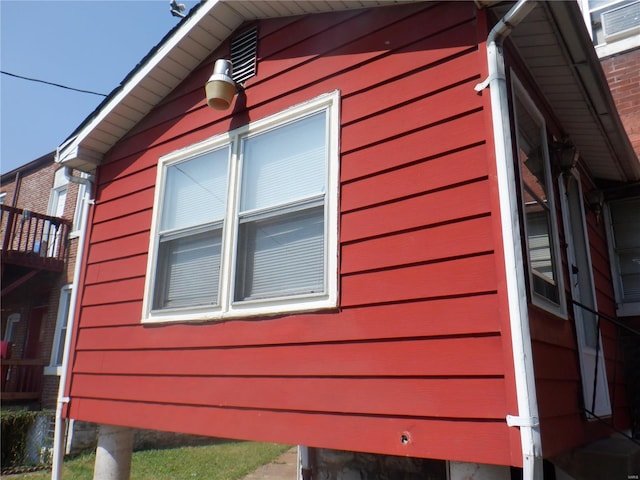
pixel 21 379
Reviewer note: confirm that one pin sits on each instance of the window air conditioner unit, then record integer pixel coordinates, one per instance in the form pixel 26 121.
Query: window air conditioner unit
pixel 621 22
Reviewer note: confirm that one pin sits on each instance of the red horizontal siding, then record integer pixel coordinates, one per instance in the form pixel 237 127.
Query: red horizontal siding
pixel 415 178
pixel 452 316
pixel 428 209
pixel 125 246
pixel 419 397
pixel 447 278
pixel 122 226
pixel 431 438
pixel 441 356
pixel 114 270
pixel 415 344
pixel 421 245
pixel 424 144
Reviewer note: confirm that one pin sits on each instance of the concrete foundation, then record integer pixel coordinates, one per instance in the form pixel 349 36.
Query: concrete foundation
pixel 113 455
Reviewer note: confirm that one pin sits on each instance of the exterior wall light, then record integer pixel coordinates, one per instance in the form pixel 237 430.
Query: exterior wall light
pixel 566 159
pixel 220 87
pixel 595 200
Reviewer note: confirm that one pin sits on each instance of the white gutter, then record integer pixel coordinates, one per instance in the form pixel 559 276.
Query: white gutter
pixel 59 432
pixel 527 418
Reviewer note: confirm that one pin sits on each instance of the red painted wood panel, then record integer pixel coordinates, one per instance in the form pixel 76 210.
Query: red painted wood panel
pixel 553 362
pixel 119 269
pixel 410 88
pixel 457 277
pixel 458 167
pixel 122 226
pixel 113 314
pixel 469 356
pixel 374 31
pixel 418 302
pixel 417 114
pixel 429 244
pixel 434 141
pixel 124 184
pixel 420 397
pixel 137 244
pixel 135 202
pixel 429 209
pixel 558 398
pixel 125 290
pixel 483 442
pixel 454 316
pixel 561 434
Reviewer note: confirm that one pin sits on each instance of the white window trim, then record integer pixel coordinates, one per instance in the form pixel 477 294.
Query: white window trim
pixel 78 212
pixel 607 49
pixel 623 309
pixel 559 309
pixel 587 354
pixel 61 320
pixel 329 102
pixel 12 321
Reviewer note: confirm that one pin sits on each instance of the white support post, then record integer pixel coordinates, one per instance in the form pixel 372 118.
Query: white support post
pixel 113 455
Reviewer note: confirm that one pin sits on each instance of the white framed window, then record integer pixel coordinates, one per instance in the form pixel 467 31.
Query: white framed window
pixel 62 320
pixel 3 197
pixel 623 235
pixel 538 205
pixel 614 25
pixel 246 223
pixel 10 330
pixel 78 212
pixel 57 200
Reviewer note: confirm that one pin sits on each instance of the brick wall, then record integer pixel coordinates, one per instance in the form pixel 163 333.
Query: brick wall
pixel 35 183
pixel 623 75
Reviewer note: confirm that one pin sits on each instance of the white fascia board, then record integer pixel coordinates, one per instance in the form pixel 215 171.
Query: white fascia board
pixel 71 151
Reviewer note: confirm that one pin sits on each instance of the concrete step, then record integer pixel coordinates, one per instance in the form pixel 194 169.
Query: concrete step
pixel 613 457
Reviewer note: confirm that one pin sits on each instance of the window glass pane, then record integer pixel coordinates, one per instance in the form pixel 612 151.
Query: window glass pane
pixel 281 256
pixel 188 270
pixel 63 319
pixel 625 217
pixel 195 191
pixel 284 164
pixel 538 217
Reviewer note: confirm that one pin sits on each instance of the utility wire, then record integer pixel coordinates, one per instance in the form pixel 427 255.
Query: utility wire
pixel 53 84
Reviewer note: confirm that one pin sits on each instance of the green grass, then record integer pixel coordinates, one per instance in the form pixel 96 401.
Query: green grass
pixel 222 461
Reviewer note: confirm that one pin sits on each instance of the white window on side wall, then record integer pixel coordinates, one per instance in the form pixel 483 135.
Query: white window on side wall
pixel 78 218
pixel 62 320
pixel 539 211
pixel 623 219
pixel 245 223
pixel 614 25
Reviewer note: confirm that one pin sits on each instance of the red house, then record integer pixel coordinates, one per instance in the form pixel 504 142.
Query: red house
pixel 396 240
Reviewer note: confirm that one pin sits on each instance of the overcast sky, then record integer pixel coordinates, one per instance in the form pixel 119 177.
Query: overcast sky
pixel 85 44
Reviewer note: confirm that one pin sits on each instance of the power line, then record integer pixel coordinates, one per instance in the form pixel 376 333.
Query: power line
pixel 53 84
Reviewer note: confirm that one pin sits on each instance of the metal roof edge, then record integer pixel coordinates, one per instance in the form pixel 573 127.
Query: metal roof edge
pixel 589 68
pixel 67 152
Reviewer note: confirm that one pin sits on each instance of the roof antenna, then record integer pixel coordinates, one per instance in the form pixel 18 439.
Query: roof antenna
pixel 177 8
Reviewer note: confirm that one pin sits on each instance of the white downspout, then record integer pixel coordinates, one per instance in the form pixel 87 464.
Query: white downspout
pixel 527 418
pixel 304 463
pixel 59 432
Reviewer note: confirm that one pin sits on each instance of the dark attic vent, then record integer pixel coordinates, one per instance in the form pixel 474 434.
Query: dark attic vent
pixel 244 51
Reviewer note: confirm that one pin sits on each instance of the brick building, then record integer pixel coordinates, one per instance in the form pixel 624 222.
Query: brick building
pixel 615 29
pixel 40 223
